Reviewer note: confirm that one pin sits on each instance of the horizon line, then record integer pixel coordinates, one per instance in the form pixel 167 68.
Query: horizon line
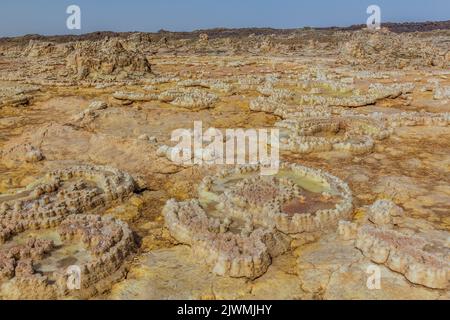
pixel 73 34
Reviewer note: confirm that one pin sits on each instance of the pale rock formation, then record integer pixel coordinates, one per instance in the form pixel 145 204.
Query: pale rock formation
pixel 23 153
pixel 384 212
pixel 90 113
pixel 385 49
pixel 190 98
pixel 17 95
pixel 106 58
pixel 417 259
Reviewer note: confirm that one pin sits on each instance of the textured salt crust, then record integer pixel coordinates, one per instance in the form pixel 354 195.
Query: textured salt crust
pixel 23 152
pixel 358 137
pixel 374 93
pixel 304 124
pixel 59 201
pixel 105 59
pixel 405 254
pixel 419 260
pixel 363 48
pixel 190 98
pixel 266 228
pixel 17 95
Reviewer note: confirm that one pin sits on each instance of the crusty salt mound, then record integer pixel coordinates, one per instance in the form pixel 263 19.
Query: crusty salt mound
pixel 106 59
pixel 44 49
pixel 354 134
pixel 242 220
pixel 422 260
pixel 189 98
pixel 386 49
pixel 321 122
pixel 16 95
pixel 22 152
pixel 52 225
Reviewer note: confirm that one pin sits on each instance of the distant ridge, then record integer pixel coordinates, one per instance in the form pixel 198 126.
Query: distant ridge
pixel 239 32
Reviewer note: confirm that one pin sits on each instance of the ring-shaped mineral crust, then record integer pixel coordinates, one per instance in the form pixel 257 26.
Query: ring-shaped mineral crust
pixel 242 220
pixel 36 264
pixel 44 229
pixel 353 133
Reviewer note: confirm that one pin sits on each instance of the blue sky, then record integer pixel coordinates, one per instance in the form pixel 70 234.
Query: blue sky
pixel 19 17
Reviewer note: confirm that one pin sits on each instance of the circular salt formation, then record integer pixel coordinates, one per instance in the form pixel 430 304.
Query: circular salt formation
pixel 351 133
pixel 241 219
pixel 44 230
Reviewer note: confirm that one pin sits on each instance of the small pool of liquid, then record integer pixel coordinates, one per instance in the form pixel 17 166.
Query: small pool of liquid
pixel 309 183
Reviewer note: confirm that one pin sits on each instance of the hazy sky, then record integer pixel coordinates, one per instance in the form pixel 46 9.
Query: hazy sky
pixel 18 17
